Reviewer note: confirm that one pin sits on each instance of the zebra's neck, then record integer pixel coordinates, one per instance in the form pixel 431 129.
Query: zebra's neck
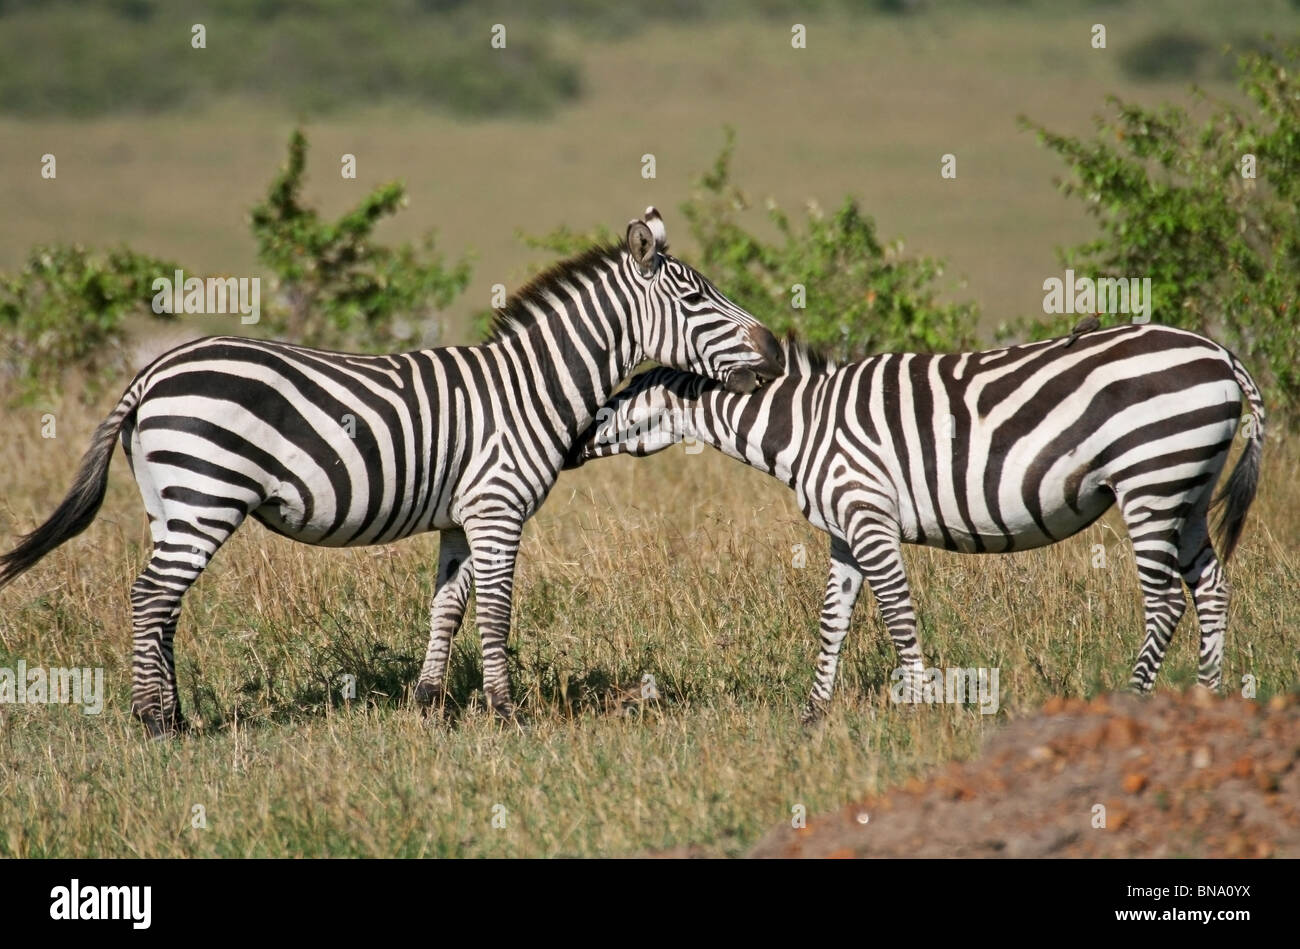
pixel 568 343
pixel 765 429
pixel 759 428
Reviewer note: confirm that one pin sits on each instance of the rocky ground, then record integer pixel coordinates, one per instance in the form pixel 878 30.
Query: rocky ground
pixel 1189 775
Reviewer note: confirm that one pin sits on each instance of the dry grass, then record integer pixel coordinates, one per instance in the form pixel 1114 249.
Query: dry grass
pixel 677 566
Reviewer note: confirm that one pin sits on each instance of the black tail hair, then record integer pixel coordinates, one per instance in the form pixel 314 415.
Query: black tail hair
pixel 82 503
pixel 1236 497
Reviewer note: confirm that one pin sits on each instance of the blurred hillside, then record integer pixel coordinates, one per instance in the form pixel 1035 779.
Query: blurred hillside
pixel 166 147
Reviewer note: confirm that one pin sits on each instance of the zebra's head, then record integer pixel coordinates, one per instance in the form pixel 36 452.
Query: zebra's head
pixel 687 323
pixel 654 410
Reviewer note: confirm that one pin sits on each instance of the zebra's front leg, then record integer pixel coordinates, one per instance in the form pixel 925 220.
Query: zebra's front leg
pixel 842 587
pixel 882 562
pixel 455 577
pixel 494 546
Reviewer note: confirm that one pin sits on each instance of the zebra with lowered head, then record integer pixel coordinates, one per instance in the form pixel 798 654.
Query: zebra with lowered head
pixel 343 450
pixel 985 452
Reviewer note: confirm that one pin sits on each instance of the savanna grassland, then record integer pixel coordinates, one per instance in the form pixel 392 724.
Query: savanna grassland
pixel 679 567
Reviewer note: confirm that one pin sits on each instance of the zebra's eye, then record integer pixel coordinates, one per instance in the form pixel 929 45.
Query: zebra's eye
pixel 693 298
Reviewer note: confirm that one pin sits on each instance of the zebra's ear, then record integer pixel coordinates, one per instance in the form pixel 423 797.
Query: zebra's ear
pixel 646 240
pixel 641 246
pixel 656 225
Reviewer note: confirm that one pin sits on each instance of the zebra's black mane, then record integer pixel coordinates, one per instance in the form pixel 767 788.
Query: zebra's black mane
pixel 802 359
pixel 516 317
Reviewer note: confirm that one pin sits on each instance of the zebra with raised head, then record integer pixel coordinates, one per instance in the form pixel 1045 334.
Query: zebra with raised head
pixel 985 452
pixel 343 450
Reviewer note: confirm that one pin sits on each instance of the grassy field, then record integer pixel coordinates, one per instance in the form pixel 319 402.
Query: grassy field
pixel 678 566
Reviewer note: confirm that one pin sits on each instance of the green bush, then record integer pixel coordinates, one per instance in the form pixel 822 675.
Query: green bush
pixel 1222 251
pixel 862 295
pixel 333 285
pixel 67 308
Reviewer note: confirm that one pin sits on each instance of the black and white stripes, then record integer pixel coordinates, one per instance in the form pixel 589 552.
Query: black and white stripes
pixel 984 453
pixel 342 450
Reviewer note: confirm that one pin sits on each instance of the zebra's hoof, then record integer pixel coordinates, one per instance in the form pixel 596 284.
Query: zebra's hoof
pixel 1204 695
pixel 161 727
pixel 813 712
pixel 503 710
pixel 429 696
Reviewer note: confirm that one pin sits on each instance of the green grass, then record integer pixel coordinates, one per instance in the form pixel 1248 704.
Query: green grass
pixel 677 566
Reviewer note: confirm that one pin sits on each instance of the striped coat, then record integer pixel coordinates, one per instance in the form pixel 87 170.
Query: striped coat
pixel 342 450
pixel 986 452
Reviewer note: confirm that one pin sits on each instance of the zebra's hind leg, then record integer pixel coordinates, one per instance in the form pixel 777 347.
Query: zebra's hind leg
pixel 184 550
pixel 1163 603
pixel 177 561
pixel 1154 532
pixel 842 588
pixel 494 546
pixel 1204 577
pixel 455 577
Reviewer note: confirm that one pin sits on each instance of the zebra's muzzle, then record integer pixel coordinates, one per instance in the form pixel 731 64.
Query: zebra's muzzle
pixel 750 378
pixel 742 381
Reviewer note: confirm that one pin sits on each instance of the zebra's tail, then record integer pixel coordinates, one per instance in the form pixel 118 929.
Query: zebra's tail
pixel 1235 498
pixel 82 503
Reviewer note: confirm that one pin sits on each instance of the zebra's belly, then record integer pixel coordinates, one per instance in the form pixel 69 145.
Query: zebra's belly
pixel 1011 526
pixel 291 518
